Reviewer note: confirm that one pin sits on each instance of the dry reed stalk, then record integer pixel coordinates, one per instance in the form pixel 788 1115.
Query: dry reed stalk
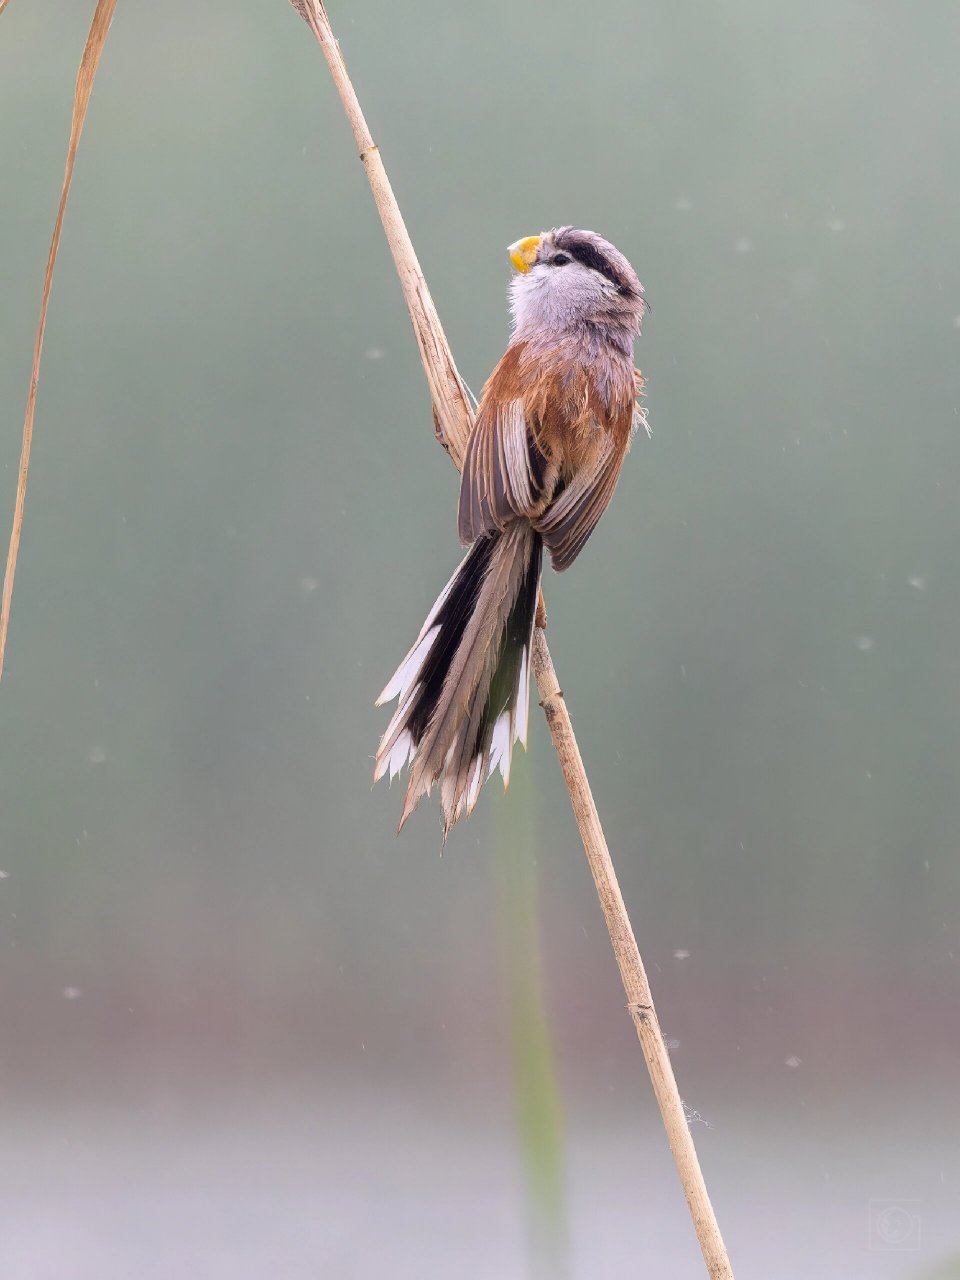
pixel 102 17
pixel 453 419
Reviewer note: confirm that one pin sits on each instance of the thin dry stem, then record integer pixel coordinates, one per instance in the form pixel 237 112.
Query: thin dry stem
pixel 453 416
pixel 96 38
pixel 453 419
pixel 632 972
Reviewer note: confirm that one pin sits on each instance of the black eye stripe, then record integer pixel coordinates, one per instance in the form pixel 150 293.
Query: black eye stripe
pixel 590 257
pixel 596 255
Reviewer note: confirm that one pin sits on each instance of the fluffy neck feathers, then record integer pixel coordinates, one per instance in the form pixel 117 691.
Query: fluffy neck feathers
pixel 547 317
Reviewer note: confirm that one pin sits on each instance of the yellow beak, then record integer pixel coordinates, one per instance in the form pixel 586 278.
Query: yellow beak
pixel 523 254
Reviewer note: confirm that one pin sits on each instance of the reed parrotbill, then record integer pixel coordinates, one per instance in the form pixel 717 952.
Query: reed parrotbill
pixel 553 427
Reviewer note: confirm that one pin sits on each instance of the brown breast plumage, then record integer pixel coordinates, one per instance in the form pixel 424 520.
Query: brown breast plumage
pixel 551 434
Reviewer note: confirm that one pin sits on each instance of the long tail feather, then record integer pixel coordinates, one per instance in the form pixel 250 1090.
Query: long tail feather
pixel 464 687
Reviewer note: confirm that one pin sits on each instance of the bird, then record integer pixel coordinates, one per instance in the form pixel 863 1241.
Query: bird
pixel 553 426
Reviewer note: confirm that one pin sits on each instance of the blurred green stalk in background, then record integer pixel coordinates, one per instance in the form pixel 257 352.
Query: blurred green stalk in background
pixel 539 1105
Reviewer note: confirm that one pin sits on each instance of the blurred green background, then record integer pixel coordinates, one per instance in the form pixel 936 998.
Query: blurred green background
pixel 246 1031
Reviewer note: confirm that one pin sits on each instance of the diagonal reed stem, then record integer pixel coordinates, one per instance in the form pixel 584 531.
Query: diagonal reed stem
pixel 100 25
pixel 453 419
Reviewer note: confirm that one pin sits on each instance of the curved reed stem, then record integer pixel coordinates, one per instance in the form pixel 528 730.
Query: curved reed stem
pixel 453 419
pixel 102 17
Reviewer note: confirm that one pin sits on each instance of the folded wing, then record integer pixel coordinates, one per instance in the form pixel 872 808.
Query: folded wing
pixel 558 470
pixel 570 519
pixel 503 472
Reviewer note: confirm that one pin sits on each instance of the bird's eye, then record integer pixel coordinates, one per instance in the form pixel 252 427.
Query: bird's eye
pixel 561 259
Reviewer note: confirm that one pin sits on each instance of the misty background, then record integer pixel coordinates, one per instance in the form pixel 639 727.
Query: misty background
pixel 245 1030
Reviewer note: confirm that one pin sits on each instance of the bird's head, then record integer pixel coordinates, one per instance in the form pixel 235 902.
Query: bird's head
pixel 569 280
